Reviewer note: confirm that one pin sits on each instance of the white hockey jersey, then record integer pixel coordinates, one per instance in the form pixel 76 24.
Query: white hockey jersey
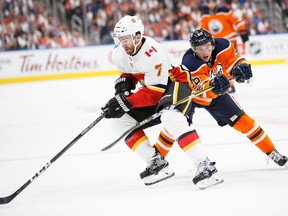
pixel 149 66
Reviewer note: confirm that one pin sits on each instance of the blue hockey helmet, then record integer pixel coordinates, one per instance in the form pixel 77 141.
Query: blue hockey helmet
pixel 199 37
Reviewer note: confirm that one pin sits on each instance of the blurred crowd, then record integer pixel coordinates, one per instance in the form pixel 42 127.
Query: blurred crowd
pixel 30 24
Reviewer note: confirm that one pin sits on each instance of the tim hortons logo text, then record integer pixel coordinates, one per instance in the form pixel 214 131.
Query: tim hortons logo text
pixel 55 63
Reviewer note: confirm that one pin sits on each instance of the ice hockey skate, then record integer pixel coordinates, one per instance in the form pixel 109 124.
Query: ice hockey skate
pixel 206 175
pixel 157 170
pixel 278 158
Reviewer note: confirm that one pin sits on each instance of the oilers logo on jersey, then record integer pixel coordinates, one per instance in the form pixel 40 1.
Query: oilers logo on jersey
pixel 217 70
pixel 215 26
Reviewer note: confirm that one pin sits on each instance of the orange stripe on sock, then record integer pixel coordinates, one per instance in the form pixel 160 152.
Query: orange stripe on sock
pixel 266 145
pixel 261 140
pixel 255 133
pixel 165 135
pixel 245 124
pixel 162 151
pixel 164 143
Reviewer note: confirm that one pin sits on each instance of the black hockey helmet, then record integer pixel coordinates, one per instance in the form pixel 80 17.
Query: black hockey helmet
pixel 199 37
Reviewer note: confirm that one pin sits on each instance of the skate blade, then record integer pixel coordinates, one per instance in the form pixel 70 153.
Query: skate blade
pixel 212 181
pixel 162 175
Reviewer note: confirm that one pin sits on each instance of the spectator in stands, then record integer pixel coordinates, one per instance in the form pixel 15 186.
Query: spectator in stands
pixel 264 26
pixel 33 41
pixel 65 37
pixel 165 19
pixel 78 41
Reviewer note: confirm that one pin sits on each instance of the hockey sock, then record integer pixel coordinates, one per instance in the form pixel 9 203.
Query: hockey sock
pixel 190 144
pixel 259 137
pixel 255 133
pixel 138 142
pixel 164 142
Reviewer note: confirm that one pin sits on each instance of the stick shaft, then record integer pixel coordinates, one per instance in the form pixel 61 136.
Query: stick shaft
pixel 5 200
pixel 154 116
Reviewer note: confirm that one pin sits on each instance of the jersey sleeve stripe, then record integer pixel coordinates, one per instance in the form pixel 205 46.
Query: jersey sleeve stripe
pixel 158 88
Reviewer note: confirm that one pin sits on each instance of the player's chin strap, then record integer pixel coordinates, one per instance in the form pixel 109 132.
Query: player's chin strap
pixel 156 115
pixel 135 45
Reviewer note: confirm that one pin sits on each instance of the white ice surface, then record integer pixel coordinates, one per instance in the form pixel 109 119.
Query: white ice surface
pixel 38 119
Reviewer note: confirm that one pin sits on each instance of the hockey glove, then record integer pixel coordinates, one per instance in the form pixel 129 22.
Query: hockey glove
pixel 244 34
pixel 221 84
pixel 244 37
pixel 117 106
pixel 242 72
pixel 123 85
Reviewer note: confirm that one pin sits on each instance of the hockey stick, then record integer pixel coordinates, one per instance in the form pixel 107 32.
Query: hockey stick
pixel 5 200
pixel 156 115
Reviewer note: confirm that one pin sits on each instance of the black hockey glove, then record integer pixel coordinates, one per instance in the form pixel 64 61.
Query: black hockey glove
pixel 242 72
pixel 221 84
pixel 117 106
pixel 244 37
pixel 244 34
pixel 124 85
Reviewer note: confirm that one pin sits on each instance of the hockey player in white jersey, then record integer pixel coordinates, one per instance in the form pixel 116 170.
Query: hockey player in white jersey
pixel 141 59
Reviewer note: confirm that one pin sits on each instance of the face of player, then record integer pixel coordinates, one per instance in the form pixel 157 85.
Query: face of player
pixel 204 51
pixel 127 43
pixel 212 5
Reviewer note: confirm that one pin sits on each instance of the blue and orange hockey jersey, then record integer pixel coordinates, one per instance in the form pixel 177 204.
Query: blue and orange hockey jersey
pixel 224 59
pixel 223 24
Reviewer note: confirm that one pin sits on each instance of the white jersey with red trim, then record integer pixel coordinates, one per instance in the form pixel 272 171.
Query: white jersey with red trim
pixel 152 60
pixel 152 63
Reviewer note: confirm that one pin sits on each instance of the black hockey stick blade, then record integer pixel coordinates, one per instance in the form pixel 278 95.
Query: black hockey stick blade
pixel 156 115
pixel 7 199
